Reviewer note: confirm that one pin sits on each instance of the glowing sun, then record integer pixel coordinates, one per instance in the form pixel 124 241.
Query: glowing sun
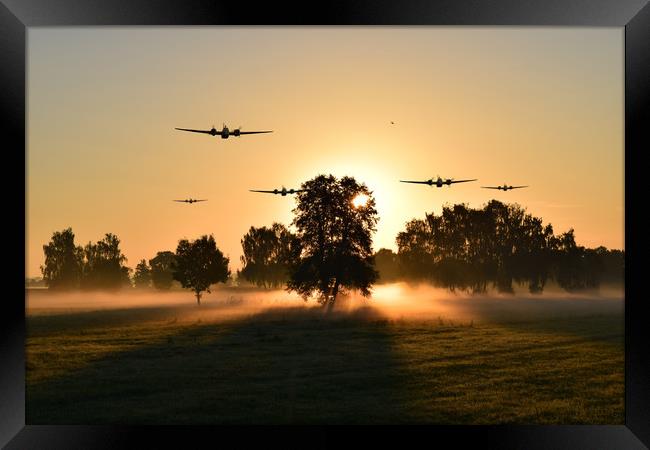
pixel 360 200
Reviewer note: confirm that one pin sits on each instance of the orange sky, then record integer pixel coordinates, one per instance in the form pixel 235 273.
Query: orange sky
pixel 536 106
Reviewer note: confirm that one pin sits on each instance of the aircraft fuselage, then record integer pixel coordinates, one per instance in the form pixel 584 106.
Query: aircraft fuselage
pixel 224 133
pixel 439 182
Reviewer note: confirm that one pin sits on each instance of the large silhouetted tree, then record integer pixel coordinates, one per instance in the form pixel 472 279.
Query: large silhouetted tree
pixel 335 239
pixel 200 264
pixel 267 254
pixel 142 275
pixel 63 261
pixel 162 269
pixel 104 265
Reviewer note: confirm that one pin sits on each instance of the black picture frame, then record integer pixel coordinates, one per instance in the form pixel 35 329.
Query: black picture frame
pixel 634 15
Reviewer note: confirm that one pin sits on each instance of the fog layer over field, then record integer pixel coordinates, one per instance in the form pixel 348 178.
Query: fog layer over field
pixel 396 301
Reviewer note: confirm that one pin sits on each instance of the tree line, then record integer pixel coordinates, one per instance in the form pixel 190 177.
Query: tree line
pixel 97 265
pixel 196 265
pixel 496 246
pixel 331 252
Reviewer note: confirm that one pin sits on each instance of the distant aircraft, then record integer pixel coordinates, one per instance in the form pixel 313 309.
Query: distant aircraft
pixel 505 187
pixel 439 182
pixel 191 200
pixel 284 191
pixel 225 132
pixel 392 123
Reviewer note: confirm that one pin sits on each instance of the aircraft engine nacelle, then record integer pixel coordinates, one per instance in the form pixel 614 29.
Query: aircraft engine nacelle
pixel 236 132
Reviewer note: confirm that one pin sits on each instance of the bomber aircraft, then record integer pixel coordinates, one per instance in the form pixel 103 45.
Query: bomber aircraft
pixel 505 187
pixel 191 200
pixel 438 182
pixel 284 191
pixel 224 133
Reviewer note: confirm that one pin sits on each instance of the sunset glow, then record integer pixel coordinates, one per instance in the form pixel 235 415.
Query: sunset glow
pixel 534 106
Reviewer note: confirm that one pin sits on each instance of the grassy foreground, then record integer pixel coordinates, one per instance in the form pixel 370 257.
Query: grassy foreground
pixel 170 365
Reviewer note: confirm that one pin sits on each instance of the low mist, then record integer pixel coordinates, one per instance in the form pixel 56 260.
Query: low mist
pixel 395 301
pixel 424 302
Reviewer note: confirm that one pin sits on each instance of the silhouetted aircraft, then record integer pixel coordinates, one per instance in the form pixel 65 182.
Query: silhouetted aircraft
pixel 505 187
pixel 284 191
pixel 439 182
pixel 225 132
pixel 191 200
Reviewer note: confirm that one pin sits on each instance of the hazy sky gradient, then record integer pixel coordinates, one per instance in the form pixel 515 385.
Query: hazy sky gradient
pixel 536 106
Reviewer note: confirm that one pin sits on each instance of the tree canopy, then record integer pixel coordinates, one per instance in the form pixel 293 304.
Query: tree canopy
pixel 471 249
pixel 142 275
pixel 267 255
pixel 199 264
pixel 63 261
pixel 387 265
pixel 335 239
pixel 104 265
pixel 162 269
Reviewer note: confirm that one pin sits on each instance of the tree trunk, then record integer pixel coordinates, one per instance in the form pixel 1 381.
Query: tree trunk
pixel 330 302
pixel 198 298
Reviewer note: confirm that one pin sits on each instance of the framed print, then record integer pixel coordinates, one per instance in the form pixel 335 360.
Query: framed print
pixel 416 216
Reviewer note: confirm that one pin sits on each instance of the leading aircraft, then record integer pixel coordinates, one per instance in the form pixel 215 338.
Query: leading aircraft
pixel 191 200
pixel 505 187
pixel 438 182
pixel 224 133
pixel 284 191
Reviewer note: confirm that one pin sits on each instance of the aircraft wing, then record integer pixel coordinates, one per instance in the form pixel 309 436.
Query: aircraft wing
pixel 179 200
pixel 254 132
pixel 202 200
pixel 266 192
pixel 417 182
pixel 463 181
pixel 197 131
pixel 490 187
pixel 517 187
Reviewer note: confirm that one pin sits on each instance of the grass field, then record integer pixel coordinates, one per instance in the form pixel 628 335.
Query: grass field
pixel 226 363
